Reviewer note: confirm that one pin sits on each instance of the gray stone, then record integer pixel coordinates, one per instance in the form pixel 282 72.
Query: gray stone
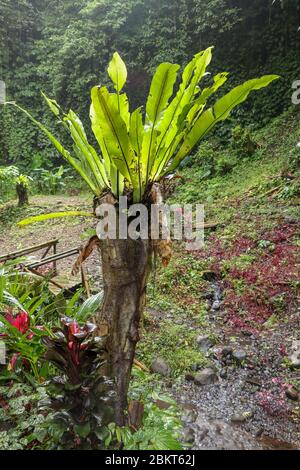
pixel 188 436
pixel 238 418
pixel 239 355
pixel 215 434
pixel 292 393
pixel 227 351
pixel 216 305
pixel 223 374
pixel 204 343
pixel 189 416
pixel 189 377
pixel 295 356
pixel 206 377
pixel 160 366
pixel 242 417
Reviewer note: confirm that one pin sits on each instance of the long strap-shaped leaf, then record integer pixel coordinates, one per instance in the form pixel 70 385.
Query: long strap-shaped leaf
pixel 116 179
pixel 114 132
pixel 90 161
pixel 136 135
pixel 61 150
pixel 160 92
pixel 217 113
pixel 89 153
pixel 190 113
pixel 168 127
pixel 54 215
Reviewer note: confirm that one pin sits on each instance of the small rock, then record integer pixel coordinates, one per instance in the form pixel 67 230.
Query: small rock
pixel 206 377
pixel 209 275
pixel 238 419
pixel 204 343
pixel 241 418
pixel 246 332
pixel 239 355
pixel 190 416
pixel 295 356
pixel 216 305
pixel 292 393
pixel 162 405
pixel 223 374
pixel 188 436
pixel 226 351
pixel 189 377
pixel 160 366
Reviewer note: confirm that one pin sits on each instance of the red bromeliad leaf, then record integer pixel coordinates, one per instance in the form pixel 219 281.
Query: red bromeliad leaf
pixel 21 322
pixel 74 328
pixel 13 361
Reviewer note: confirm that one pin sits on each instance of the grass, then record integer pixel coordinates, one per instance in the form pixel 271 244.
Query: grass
pixel 242 243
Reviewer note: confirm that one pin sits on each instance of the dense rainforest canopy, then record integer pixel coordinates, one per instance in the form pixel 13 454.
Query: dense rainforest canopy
pixel 60 46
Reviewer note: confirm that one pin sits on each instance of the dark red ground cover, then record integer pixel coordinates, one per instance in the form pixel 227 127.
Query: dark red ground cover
pixel 253 293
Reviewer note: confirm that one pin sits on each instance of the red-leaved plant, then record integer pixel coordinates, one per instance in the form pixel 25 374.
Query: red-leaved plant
pixel 81 396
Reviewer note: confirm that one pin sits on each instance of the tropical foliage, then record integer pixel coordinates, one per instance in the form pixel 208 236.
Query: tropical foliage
pixel 65 58
pixel 138 150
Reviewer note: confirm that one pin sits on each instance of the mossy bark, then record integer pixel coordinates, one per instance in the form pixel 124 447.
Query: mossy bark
pixel 126 265
pixel 22 193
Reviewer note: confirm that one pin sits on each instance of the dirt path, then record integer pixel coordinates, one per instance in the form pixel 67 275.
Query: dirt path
pixel 71 232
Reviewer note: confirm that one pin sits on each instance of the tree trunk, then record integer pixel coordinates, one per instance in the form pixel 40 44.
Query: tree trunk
pixel 126 265
pixel 22 194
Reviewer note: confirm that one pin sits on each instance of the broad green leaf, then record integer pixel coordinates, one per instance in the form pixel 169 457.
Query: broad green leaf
pixel 122 104
pixel 61 150
pixel 147 159
pixel 136 135
pixel 89 155
pixel 219 112
pixel 114 132
pixel 199 104
pixel 89 307
pixel 168 127
pixel 117 72
pixel 161 91
pixel 83 430
pixel 116 179
pixel 85 152
pixel 136 130
pixel 164 440
pixel 54 215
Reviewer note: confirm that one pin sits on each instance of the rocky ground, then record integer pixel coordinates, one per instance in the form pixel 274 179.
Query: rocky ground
pixel 246 394
pixel 243 399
